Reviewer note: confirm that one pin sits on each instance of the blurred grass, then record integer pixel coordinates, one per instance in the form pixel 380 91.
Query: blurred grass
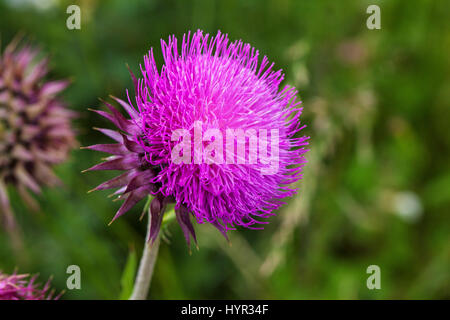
pixel 377 108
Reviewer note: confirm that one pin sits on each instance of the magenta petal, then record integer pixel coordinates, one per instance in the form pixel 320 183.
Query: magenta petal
pixel 132 199
pixel 111 133
pixel 221 228
pixel 128 108
pixel 123 163
pixel 140 179
pixel 120 121
pixel 117 149
pixel 135 81
pixel 184 220
pixel 156 216
pixel 117 182
pixel 106 115
pixel 131 145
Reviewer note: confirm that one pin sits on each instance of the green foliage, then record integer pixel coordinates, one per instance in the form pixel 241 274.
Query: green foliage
pixel 128 275
pixel 376 188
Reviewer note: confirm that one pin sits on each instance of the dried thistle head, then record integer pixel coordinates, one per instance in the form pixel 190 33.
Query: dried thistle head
pixel 35 130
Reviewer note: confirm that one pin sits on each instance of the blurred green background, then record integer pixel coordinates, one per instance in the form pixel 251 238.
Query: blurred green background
pixel 376 189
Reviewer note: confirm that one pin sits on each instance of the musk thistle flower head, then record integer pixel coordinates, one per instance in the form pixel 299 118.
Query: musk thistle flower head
pixel 22 287
pixel 175 143
pixel 35 128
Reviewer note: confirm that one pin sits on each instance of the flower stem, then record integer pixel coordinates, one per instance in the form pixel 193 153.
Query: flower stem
pixel 146 266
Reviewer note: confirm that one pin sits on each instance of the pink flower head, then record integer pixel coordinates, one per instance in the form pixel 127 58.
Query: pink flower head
pixel 22 287
pixel 210 85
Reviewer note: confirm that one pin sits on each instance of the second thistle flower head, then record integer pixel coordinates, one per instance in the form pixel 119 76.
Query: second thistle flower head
pixel 35 131
pixel 213 132
pixel 22 287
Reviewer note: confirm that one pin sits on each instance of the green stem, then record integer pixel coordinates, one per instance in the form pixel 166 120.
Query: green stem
pixel 146 267
pixel 149 256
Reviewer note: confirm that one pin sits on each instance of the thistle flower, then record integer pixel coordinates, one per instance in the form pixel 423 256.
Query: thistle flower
pixel 22 287
pixel 35 128
pixel 210 83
